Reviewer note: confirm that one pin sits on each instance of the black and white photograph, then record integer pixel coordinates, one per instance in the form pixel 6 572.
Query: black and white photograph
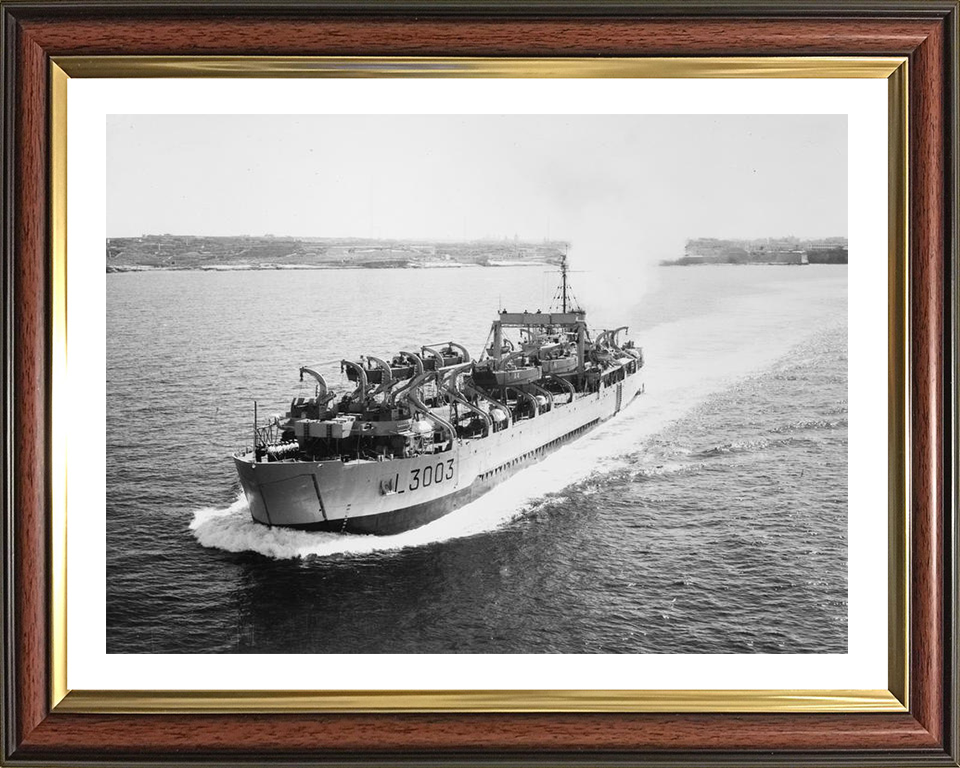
pixel 477 384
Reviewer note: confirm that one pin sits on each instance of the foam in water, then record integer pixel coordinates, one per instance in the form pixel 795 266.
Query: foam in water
pixel 687 361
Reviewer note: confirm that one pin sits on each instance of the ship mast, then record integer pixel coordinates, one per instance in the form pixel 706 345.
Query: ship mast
pixel 563 274
pixel 564 297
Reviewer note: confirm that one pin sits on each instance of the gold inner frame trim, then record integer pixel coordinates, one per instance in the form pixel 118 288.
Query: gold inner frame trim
pixel 58 390
pixel 898 383
pixel 893 69
pixel 435 701
pixel 440 67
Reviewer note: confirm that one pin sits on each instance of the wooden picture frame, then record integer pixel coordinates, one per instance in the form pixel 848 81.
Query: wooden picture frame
pixel 915 722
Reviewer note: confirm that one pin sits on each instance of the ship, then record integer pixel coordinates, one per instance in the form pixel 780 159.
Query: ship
pixel 432 428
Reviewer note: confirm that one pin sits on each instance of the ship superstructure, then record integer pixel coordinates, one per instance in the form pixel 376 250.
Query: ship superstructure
pixel 428 429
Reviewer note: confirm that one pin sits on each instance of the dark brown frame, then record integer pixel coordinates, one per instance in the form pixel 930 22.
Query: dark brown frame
pixel 925 32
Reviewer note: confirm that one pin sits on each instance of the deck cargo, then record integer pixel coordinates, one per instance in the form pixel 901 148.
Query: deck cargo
pixel 426 431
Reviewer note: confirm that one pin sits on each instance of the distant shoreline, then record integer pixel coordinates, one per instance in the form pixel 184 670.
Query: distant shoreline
pixel 124 270
pixel 246 253
pixel 783 251
pixel 753 264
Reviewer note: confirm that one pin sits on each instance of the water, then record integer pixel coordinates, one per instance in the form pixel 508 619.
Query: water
pixel 708 517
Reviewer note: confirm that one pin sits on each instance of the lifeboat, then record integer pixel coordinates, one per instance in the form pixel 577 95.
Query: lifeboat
pixel 506 348
pixel 558 366
pixel 405 366
pixel 513 377
pixel 402 372
pixel 515 370
pixel 557 359
pixel 447 354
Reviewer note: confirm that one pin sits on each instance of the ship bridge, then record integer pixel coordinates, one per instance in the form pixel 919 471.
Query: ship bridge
pixel 571 318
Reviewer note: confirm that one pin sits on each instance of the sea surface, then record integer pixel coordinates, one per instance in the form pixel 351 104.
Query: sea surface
pixel 710 516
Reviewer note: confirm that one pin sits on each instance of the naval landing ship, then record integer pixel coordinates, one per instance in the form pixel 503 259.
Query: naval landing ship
pixel 432 429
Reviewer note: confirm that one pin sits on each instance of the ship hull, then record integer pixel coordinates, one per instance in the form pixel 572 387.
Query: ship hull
pixel 403 519
pixel 389 497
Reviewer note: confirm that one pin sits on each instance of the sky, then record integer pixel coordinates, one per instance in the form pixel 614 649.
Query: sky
pixel 620 181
